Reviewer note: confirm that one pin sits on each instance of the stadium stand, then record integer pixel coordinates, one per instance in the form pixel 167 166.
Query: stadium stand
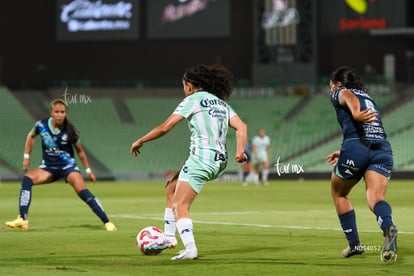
pixel 400 127
pixel 261 112
pixel 313 123
pixel 303 130
pixel 15 123
pixel 402 150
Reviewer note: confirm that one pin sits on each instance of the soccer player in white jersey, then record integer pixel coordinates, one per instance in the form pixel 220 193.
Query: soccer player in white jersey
pixel 261 156
pixel 207 87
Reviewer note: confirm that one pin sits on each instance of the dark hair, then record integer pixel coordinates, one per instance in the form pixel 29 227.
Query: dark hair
pixel 73 133
pixel 215 79
pixel 348 77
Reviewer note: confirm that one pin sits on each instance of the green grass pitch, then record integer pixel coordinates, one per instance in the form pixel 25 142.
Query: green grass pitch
pixel 286 228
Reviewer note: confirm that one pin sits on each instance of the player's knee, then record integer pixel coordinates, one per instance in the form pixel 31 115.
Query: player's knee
pixel 339 192
pixel 27 182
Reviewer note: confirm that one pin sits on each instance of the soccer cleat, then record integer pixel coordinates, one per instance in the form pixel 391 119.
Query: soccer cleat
pixel 186 255
pixel 355 250
pixel 389 253
pixel 169 242
pixel 109 226
pixel 19 222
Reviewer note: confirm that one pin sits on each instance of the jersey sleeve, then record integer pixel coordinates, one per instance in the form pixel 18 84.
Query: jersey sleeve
pixel 186 107
pixel 232 113
pixel 35 128
pixel 335 96
pixel 255 141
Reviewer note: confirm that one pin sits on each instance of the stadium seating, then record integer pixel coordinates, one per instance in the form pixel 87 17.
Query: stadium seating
pixel 260 112
pixel 402 150
pixel 15 123
pixel 303 131
pixel 313 123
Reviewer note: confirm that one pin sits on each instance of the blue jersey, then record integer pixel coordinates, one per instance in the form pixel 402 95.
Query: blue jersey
pixel 358 130
pixel 56 147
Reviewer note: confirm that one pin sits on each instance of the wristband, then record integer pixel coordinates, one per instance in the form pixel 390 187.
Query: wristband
pixel 26 156
pixel 88 170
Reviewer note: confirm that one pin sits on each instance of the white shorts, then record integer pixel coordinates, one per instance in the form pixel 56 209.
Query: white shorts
pixel 197 173
pixel 259 157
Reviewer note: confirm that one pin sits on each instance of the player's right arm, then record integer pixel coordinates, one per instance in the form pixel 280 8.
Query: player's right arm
pixel 241 137
pixel 268 151
pixel 254 147
pixel 30 141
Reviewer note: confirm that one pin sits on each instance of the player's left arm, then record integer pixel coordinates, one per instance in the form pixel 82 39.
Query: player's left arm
pixel 241 137
pixel 268 150
pixel 351 101
pixel 268 153
pixel 82 156
pixel 332 158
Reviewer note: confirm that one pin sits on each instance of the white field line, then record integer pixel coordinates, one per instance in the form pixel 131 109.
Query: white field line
pixel 160 218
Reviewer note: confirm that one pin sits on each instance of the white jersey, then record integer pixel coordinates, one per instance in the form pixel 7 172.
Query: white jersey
pixel 208 119
pixel 261 145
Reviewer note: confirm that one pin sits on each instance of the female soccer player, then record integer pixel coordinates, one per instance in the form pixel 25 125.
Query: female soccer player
pixel 366 153
pixel 261 156
pixel 58 137
pixel 206 89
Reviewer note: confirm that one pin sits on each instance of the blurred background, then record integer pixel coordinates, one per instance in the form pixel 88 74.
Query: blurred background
pixel 118 64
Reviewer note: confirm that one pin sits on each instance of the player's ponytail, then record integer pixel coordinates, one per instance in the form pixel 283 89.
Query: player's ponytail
pixel 73 133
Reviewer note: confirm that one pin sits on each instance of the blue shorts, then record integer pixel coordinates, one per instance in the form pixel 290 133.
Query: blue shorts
pixel 358 156
pixel 197 173
pixel 60 172
pixel 249 157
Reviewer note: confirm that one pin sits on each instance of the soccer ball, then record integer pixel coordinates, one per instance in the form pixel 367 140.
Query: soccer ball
pixel 149 240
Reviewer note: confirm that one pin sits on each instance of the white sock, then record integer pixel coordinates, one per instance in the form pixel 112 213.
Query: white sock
pixel 169 222
pixel 256 179
pixel 265 175
pixel 185 229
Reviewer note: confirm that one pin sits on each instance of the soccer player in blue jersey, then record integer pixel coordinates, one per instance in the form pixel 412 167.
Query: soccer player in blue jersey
pixel 59 139
pixel 206 87
pixel 365 153
pixel 246 166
